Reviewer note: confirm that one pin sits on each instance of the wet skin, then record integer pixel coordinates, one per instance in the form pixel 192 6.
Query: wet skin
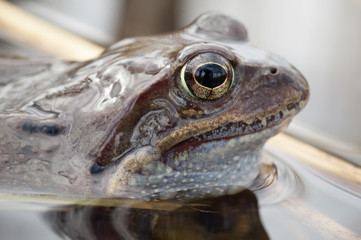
pixel 175 116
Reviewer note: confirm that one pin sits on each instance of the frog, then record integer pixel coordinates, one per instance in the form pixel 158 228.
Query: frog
pixel 173 116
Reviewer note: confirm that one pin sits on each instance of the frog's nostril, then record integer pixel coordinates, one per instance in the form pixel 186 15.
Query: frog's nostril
pixel 273 70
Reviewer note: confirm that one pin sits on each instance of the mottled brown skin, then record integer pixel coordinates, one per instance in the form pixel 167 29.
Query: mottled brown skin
pixel 111 125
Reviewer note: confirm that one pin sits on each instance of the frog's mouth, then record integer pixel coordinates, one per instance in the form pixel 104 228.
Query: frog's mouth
pixel 260 128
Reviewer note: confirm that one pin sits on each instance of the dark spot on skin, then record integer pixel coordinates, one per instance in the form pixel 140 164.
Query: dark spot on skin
pixel 96 168
pixel 256 125
pixel 48 129
pixel 27 150
pixel 274 119
pixel 30 127
pixel 270 119
pixel 139 172
pixel 52 130
pixel 292 106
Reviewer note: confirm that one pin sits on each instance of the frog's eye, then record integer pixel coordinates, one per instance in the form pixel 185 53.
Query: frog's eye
pixel 207 76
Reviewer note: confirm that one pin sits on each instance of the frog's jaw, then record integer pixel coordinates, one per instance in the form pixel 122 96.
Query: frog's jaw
pixel 210 169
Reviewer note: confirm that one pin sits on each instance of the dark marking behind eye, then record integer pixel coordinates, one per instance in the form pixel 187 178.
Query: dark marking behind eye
pixel 47 129
pixel 96 168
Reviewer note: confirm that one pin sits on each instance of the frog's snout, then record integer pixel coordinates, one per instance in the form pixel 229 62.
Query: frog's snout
pixel 300 86
pixel 298 90
pixel 291 80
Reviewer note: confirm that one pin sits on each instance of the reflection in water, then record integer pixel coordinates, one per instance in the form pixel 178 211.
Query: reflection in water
pixel 228 217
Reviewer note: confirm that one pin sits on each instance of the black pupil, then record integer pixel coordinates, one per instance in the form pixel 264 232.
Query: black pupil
pixel 210 75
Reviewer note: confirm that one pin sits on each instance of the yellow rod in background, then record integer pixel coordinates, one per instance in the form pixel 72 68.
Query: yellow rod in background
pixel 317 158
pixel 37 33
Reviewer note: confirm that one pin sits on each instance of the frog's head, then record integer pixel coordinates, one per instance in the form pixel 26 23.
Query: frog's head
pixel 209 100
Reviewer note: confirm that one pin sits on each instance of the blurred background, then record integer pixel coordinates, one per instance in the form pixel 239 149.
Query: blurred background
pixel 322 38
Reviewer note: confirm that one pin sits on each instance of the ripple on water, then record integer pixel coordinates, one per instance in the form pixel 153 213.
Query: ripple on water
pixel 277 181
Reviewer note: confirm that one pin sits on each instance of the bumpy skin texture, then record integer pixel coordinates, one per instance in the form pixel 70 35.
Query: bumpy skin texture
pixel 123 124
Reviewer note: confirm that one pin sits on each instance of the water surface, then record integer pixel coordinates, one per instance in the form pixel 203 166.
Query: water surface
pixel 289 200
